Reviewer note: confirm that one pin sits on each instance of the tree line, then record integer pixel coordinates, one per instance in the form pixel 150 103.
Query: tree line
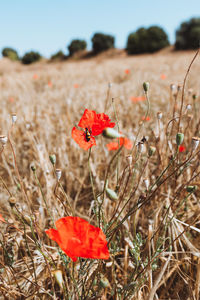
pixel 143 40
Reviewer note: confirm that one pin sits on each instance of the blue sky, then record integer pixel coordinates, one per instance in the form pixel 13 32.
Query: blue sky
pixel 49 25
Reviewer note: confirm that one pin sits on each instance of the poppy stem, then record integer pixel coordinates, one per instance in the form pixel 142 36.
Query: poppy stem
pixel 117 121
pixel 91 181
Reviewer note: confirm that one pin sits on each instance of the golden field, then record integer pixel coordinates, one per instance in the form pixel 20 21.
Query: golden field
pixel 154 254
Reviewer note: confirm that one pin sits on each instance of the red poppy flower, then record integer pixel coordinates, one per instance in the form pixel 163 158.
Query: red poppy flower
pixel 181 148
pixel 77 238
pixel 163 76
pixel 137 99
pixel 76 86
pixel 2 219
pixel 93 125
pixel 122 141
pixel 35 76
pixel 11 99
pixel 50 83
pixel 127 71
pixel 145 119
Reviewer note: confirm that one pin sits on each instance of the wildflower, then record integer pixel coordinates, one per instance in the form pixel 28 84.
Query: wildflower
pixel 93 125
pixel 35 76
pixel 11 99
pixel 145 118
pixel 127 71
pixel 50 83
pixel 2 219
pixel 77 238
pixel 163 76
pixel 181 148
pixel 138 99
pixel 76 86
pixel 123 141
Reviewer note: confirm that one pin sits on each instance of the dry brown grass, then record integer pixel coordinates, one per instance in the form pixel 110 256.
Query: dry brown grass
pixel 153 254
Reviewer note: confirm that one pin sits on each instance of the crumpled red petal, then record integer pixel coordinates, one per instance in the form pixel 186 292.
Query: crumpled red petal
pixel 77 238
pixel 122 141
pixel 88 119
pixel 102 121
pixel 79 138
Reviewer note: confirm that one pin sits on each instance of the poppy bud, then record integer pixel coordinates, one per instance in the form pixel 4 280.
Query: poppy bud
pixel 188 107
pixel 179 138
pixel 104 282
pixel 52 159
pixel 14 118
pixel 12 201
pixel 146 183
pixel 111 133
pixel 195 143
pixel 146 86
pixel 151 151
pixel 191 188
pixel 58 174
pixel 159 115
pixel 3 139
pixel 33 168
pixel 173 87
pixel 59 277
pixel 194 96
pixel 140 147
pixel 111 194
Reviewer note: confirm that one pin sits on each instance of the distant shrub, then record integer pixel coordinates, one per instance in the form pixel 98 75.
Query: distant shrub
pixel 58 56
pixel 76 46
pixel 102 42
pixel 147 40
pixel 10 53
pixel 188 35
pixel 30 57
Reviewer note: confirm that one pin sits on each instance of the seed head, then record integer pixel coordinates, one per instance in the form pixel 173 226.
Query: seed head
pixel 159 115
pixel 3 139
pixel 151 151
pixel 59 277
pixel 14 118
pixel 58 174
pixel 195 143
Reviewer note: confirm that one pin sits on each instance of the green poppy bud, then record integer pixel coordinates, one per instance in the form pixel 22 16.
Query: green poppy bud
pixel 111 194
pixel 146 86
pixel 52 158
pixel 151 151
pixel 179 138
pixel 111 133
pixel 191 188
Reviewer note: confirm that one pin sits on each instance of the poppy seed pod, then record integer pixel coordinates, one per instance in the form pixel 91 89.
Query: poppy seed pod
pixel 151 150
pixel 58 174
pixel 195 143
pixel 191 188
pixel 146 86
pixel 52 158
pixel 146 183
pixel 111 194
pixel 14 118
pixel 159 115
pixel 3 139
pixel 179 138
pixel 111 133
pixel 59 277
pixel 173 87
pixel 140 147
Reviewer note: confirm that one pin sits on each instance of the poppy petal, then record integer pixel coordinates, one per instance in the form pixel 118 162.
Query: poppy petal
pixel 78 238
pixel 102 121
pixel 79 138
pixel 2 219
pixel 112 146
pixel 88 119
